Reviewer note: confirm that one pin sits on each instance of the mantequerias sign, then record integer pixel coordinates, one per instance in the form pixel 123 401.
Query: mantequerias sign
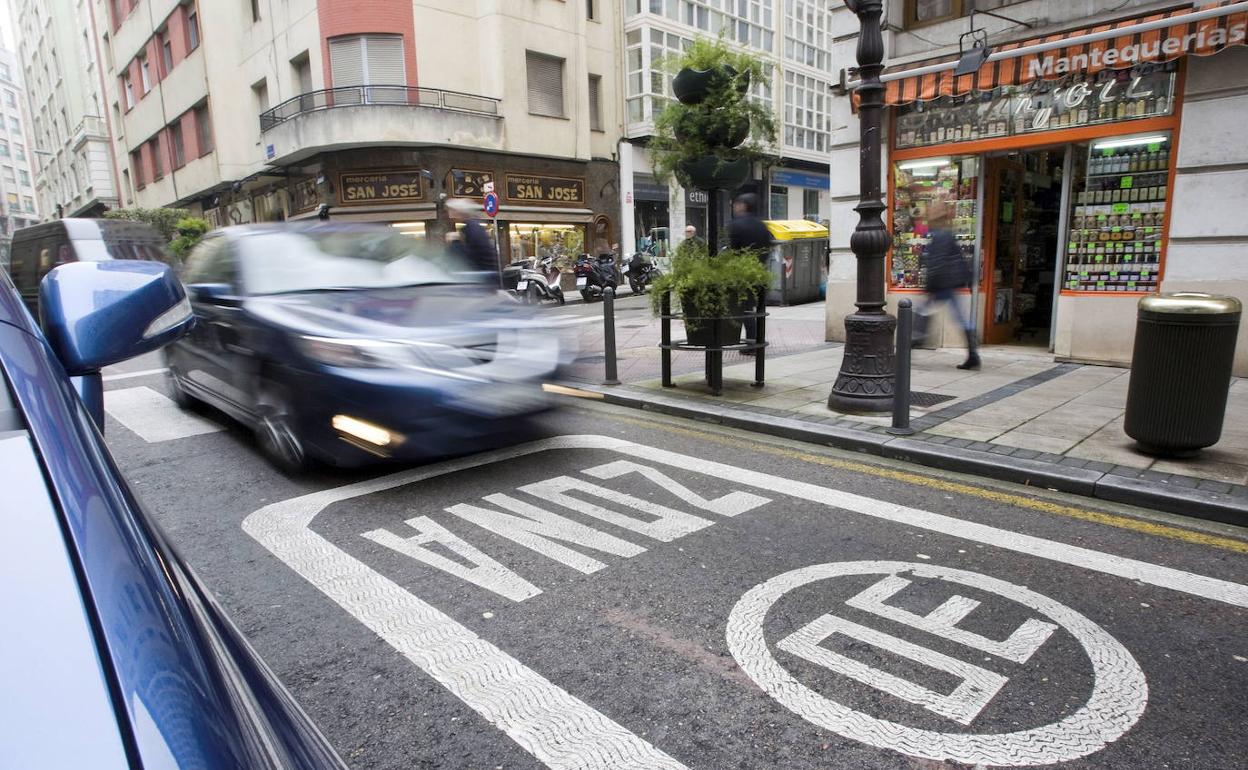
pixel 1176 45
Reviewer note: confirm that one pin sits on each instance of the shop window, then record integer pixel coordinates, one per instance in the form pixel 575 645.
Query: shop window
pixel 917 185
pixel 1118 214
pixel 545 82
pixel 565 242
pixel 810 205
pixel 778 205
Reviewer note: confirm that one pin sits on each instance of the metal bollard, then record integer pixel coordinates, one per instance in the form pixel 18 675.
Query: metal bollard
pixel 901 381
pixel 608 333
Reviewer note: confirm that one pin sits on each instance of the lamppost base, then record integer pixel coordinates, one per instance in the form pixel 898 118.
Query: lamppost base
pixel 865 382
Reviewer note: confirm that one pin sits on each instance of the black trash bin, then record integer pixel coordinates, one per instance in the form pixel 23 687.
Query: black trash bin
pixel 1181 371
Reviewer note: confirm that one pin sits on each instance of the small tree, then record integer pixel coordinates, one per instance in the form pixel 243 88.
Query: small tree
pixel 190 230
pixel 165 221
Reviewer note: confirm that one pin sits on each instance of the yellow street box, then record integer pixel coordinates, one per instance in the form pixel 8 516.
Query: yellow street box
pixel 795 229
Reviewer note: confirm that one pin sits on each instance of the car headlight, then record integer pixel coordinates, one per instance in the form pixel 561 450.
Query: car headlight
pixel 354 353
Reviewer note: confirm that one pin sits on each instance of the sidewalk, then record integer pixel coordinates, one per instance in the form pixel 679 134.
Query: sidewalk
pixel 1021 418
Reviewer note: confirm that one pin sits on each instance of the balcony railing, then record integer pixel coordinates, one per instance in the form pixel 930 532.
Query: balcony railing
pixel 356 96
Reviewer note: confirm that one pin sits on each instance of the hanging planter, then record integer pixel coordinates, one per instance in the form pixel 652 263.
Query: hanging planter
pixel 710 172
pixel 690 86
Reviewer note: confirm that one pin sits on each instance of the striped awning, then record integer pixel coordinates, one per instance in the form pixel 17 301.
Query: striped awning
pixel 1182 38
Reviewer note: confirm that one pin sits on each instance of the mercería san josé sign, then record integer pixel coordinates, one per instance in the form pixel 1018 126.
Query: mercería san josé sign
pixel 545 189
pixel 379 187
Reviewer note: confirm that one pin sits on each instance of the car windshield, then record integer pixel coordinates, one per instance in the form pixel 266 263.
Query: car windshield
pixel 282 262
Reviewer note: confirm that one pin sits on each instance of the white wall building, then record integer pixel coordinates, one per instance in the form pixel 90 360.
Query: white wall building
pixel 18 207
pixel 795 35
pixel 75 174
pixel 1084 177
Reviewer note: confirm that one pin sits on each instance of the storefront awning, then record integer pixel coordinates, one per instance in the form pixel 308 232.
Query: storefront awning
pixel 1159 37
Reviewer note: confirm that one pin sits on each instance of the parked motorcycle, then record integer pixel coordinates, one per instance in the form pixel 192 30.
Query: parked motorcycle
pixel 641 273
pixel 593 276
pixel 534 283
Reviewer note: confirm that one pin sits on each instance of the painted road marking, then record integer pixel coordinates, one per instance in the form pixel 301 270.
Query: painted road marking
pixel 1119 691
pixel 555 727
pixel 132 375
pixel 908 477
pixel 154 417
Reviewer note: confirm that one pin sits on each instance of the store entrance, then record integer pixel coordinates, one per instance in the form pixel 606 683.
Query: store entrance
pixel 1023 202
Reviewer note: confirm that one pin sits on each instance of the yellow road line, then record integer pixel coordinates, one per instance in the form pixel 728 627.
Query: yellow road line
pixel 1057 509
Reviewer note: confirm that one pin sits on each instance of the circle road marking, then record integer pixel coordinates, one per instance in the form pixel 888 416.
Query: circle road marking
pixel 1119 693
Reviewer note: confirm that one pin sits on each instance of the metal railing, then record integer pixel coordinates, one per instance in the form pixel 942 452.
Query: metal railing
pixel 356 96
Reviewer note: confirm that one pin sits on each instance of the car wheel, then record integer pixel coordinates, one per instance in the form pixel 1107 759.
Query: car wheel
pixel 277 432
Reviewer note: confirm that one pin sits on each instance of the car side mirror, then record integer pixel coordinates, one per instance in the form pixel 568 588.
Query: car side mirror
pixel 95 314
pixel 210 293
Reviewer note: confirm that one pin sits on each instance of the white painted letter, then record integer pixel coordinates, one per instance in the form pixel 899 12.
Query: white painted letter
pixel 483 572
pixel 536 529
pixel 731 504
pixel 669 525
pixel 973 693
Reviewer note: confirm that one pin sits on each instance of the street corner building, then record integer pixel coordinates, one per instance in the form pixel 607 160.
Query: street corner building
pixel 377 112
pixel 1094 159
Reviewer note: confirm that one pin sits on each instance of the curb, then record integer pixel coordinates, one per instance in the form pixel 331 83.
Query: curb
pixel 1198 503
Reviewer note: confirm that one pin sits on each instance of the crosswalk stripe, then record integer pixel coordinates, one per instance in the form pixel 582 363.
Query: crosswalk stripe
pixel 131 375
pixel 153 416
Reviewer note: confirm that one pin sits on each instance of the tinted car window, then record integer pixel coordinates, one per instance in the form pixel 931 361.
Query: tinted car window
pixel 290 261
pixel 212 261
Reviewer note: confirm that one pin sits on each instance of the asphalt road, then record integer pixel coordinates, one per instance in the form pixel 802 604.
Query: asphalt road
pixel 624 591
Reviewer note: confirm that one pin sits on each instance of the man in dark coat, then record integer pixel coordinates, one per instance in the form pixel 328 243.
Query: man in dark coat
pixel 747 231
pixel 947 271
pixel 475 242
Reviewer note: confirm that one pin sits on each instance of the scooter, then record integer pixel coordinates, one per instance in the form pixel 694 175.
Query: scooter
pixel 593 276
pixel 641 273
pixel 536 283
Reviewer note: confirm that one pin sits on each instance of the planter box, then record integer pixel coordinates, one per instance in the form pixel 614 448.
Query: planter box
pixel 701 332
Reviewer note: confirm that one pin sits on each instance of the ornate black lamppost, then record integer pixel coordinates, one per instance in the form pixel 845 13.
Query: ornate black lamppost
pixel 865 382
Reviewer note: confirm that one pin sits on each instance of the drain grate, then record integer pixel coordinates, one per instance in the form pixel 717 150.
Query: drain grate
pixel 924 399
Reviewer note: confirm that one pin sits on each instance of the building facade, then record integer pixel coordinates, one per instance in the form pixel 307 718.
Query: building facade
pixel 795 36
pixel 372 112
pixel 1083 174
pixel 18 207
pixel 75 174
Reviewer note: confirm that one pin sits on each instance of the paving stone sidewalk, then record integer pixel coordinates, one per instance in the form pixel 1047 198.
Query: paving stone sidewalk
pixel 1022 417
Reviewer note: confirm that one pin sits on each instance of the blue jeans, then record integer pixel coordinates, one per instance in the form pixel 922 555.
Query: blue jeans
pixel 951 297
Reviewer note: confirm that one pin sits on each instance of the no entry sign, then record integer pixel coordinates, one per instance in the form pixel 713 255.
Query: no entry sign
pixel 491 204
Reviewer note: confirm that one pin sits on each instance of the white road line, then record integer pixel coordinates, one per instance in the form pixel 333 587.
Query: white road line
pixel 552 725
pixel 132 375
pixel 153 416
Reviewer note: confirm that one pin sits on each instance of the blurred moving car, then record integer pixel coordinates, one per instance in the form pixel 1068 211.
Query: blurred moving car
pixel 37 249
pixel 113 654
pixel 350 343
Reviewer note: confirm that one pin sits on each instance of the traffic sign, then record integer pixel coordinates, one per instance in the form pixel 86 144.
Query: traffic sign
pixel 491 204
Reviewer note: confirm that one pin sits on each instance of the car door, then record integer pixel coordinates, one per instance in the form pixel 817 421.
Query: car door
pixel 210 356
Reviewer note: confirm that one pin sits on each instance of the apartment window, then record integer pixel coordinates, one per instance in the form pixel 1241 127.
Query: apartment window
pixel 4 149
pixel 166 52
pixel 5 72
pixel 10 98
pixel 807 112
pixel 545 78
pixel 9 175
pixel 29 204
pixel 25 177
pixel 15 125
pixel 589 10
pixel 255 10
pixel 19 152
pixel 145 75
pixel 595 102
pixel 127 88
pixel 302 67
pixel 108 52
pixel 368 60
pixel 136 163
pixel 203 129
pixel 192 29
pixel 260 91
pixel 158 160
pixel 920 12
pixel 178 142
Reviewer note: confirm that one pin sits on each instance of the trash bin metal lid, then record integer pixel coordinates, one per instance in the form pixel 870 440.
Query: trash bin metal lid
pixel 1190 303
pixel 794 229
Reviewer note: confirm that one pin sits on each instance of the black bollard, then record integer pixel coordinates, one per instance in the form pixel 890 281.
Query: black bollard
pixel 901 379
pixel 608 333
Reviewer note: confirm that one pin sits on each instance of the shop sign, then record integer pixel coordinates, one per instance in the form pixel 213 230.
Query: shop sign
pixel 545 189
pixel 1071 102
pixel 303 196
pixel 1175 45
pixel 698 198
pixel 799 179
pixel 471 184
pixel 374 187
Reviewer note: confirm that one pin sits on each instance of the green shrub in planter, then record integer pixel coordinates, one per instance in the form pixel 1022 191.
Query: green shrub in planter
pixel 709 288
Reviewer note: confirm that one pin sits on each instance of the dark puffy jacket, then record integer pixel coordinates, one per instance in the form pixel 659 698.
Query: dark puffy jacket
pixel 946 267
pixel 749 232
